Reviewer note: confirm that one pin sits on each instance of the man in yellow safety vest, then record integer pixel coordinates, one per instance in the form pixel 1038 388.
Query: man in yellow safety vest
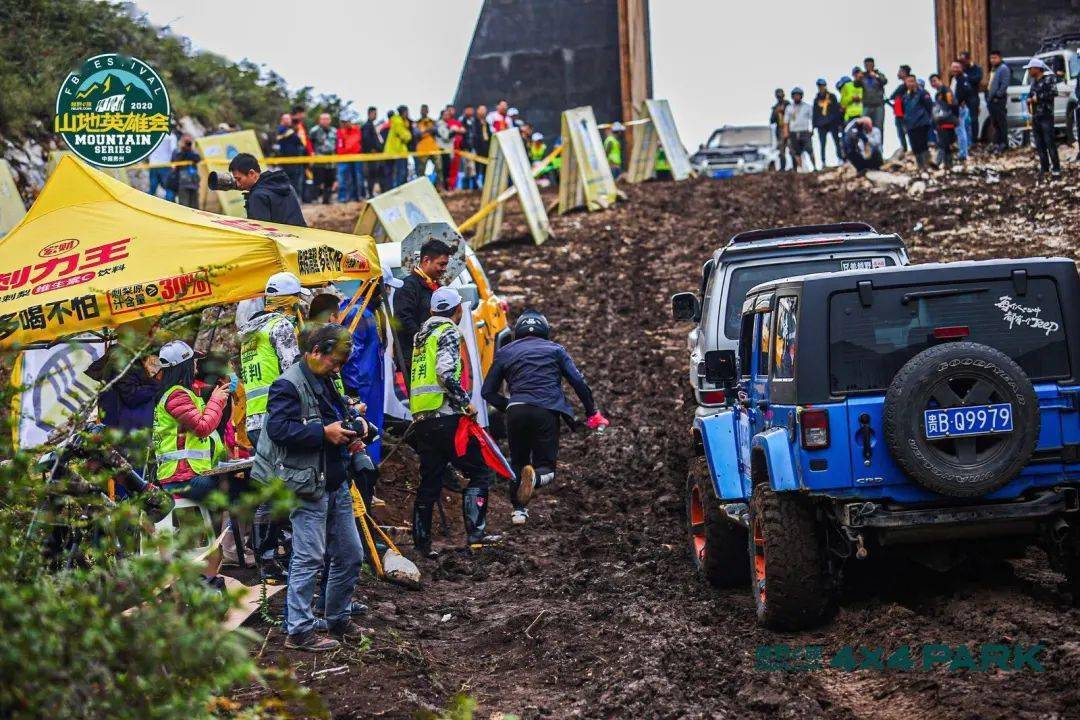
pixel 613 147
pixel 438 401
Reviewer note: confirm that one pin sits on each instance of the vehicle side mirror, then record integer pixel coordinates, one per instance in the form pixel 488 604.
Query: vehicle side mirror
pixel 685 306
pixel 721 367
pixel 701 146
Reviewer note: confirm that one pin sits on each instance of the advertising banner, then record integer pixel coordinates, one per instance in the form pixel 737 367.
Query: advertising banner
pixel 390 216
pixel 508 159
pixel 56 386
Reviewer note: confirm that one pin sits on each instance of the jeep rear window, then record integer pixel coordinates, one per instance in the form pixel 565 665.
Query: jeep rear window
pixel 869 345
pixel 744 278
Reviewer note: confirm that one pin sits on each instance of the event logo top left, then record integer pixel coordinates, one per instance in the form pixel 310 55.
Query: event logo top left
pixel 113 111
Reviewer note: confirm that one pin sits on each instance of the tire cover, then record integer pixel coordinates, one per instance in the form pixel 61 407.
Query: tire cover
pixel 960 374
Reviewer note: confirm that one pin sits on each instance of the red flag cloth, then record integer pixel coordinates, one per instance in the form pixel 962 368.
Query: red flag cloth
pixel 489 449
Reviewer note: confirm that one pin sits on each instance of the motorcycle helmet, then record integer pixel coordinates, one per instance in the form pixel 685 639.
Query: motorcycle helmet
pixel 531 323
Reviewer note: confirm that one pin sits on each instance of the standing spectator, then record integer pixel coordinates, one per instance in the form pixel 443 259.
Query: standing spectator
pixel 187 176
pixel 412 301
pixel 612 147
pixel 1041 106
pixel 896 100
pixel 827 119
pixel 159 176
pixel 776 118
pixel 918 119
pixel 426 143
pixel 962 91
pixel 498 119
pixel 862 145
pixel 298 114
pixel 482 142
pixel 873 88
pixel 457 135
pixel 851 95
pixel 538 150
pixel 445 141
pixel 798 118
pixel 974 75
pixel 513 118
pixel 398 137
pixel 289 144
pixel 947 118
pixel 997 95
pixel 469 140
pixel 372 140
pixel 350 175
pixel 324 141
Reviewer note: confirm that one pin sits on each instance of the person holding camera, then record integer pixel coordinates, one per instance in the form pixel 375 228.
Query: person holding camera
pixel 437 402
pixel 187 176
pixel 306 443
pixel 268 196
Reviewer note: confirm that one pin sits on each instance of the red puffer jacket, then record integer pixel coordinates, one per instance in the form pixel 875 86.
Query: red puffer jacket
pixel 348 140
pixel 203 423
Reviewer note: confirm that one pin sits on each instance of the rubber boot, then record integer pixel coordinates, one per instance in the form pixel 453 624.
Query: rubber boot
pixel 421 530
pixel 474 506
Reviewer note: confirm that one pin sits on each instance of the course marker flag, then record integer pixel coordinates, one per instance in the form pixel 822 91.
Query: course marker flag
pixel 12 208
pixel 218 150
pixel 391 216
pixel 586 177
pixel 508 160
pixel 660 132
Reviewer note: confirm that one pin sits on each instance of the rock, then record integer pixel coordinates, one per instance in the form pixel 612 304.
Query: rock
pixel 883 178
pixel 917 188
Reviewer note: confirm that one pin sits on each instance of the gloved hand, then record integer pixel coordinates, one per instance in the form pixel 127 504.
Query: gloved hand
pixel 596 421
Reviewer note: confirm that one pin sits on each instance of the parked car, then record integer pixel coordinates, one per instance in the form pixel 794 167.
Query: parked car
pixel 1060 54
pixel 758 256
pixel 929 410
pixel 736 150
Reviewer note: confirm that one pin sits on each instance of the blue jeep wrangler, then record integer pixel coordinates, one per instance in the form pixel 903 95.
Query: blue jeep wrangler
pixel 928 408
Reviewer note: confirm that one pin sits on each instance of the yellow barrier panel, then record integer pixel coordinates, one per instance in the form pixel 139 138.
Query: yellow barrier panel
pixel 505 195
pixel 507 160
pixel 390 216
pixel 218 150
pixel 659 131
pixel 586 177
pixel 12 208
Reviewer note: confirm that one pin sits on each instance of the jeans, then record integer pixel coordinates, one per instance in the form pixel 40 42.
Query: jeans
pixel 876 113
pixel 351 181
pixel 399 172
pixel 188 197
pixel 196 489
pixel 920 138
pixel 824 132
pixel 901 133
pixel 973 120
pixel 158 176
pixel 324 182
pixel 963 128
pixel 944 144
pixel 295 174
pixel 533 433
pixel 323 527
pixel 999 121
pixel 1042 131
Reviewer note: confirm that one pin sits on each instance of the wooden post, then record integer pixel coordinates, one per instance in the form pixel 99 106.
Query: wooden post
pixel 962 25
pixel 635 62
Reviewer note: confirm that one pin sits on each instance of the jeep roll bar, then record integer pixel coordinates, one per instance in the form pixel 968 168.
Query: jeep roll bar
pixel 800 230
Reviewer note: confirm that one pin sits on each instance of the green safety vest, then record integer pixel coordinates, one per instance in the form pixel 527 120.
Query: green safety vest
pixel 425 392
pixel 661 160
pixel 199 452
pixel 537 152
pixel 613 148
pixel 259 366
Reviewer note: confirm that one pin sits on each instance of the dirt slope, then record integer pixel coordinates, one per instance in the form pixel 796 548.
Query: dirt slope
pixel 593 610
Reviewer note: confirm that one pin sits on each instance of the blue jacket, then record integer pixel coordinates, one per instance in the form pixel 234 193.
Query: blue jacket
pixel 285 426
pixel 533 369
pixel 363 371
pixel 918 109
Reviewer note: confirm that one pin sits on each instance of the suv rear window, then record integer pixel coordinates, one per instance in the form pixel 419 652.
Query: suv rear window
pixel 744 278
pixel 869 345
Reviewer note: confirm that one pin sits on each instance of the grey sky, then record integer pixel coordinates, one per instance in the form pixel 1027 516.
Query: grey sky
pixel 717 61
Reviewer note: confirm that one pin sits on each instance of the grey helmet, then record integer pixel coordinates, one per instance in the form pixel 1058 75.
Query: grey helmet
pixel 531 323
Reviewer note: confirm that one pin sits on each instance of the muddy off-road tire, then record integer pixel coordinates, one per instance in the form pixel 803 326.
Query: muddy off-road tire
pixel 788 575
pixel 717 543
pixel 954 375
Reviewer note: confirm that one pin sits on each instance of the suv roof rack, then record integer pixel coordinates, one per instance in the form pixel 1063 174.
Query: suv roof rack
pixel 1057 42
pixel 799 230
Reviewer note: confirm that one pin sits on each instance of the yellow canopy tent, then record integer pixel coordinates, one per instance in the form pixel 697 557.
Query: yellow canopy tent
pixel 93 253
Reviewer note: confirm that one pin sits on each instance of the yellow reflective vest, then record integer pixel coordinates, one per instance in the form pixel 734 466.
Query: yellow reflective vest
pixel 199 452
pixel 259 366
pixel 425 391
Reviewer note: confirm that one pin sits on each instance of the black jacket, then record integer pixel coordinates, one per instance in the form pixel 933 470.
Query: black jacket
pixel 272 199
pixel 370 142
pixel 827 111
pixel 412 306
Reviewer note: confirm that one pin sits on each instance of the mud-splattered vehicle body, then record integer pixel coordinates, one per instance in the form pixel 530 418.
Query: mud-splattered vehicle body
pixel 925 409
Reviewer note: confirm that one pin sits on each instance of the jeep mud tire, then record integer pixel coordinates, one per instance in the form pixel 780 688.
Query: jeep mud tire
pixel 788 574
pixel 956 375
pixel 717 543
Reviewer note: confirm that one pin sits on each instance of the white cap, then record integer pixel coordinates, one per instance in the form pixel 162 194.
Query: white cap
pixel 285 283
pixel 512 112
pixel 617 126
pixel 537 136
pixel 389 279
pixel 1036 63
pixel 444 299
pixel 174 353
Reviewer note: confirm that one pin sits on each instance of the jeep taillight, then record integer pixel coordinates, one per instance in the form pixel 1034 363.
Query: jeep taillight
pixel 815 429
pixel 712 397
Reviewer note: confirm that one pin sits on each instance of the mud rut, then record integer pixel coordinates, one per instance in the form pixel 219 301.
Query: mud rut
pixel 594 610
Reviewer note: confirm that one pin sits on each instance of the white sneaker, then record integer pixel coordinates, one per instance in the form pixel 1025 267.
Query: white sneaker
pixel 518 517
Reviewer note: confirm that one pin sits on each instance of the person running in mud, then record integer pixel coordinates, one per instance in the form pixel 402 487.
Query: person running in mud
pixel 533 368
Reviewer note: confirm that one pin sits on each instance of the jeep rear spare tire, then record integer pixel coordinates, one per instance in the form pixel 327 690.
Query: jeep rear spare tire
pixel 974 456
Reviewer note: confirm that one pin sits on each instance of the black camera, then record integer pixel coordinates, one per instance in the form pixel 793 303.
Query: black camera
pixel 221 181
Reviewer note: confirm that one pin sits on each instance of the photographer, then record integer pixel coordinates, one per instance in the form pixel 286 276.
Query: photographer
pixel 269 195
pixel 305 442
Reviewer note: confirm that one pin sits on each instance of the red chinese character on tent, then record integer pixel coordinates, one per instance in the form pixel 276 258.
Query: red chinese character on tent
pixel 105 254
pixel 69 261
pixel 14 279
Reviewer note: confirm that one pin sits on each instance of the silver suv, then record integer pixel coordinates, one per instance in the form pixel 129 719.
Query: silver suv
pixel 737 150
pixel 758 256
pixel 1060 54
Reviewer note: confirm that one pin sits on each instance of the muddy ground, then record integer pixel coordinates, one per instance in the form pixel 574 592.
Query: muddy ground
pixel 593 610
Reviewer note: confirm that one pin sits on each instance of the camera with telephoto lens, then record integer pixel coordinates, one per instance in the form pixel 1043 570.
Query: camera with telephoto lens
pixel 221 181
